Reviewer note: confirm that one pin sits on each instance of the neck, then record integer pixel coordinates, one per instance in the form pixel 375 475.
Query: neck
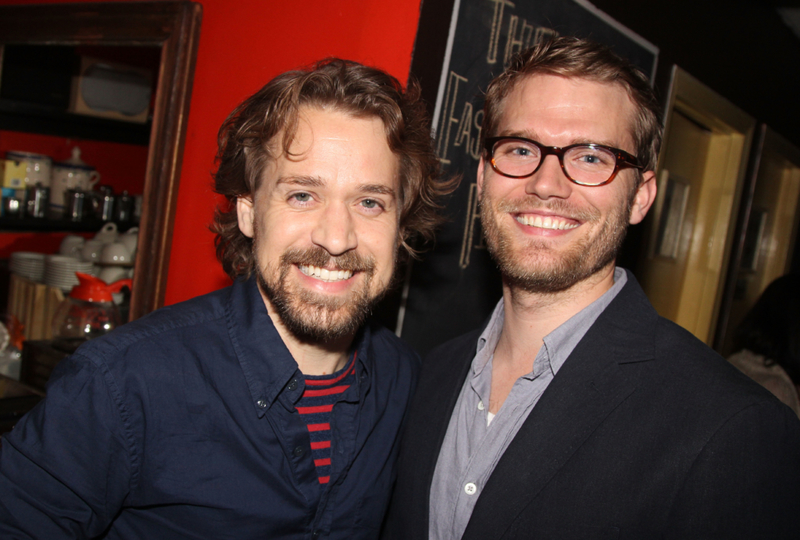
pixel 312 358
pixel 529 317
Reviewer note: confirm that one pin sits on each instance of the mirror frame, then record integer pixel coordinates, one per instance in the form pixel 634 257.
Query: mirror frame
pixel 174 27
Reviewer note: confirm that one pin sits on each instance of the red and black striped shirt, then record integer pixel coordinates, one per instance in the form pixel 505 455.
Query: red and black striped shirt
pixel 315 406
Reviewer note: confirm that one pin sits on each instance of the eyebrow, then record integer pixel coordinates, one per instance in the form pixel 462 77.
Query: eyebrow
pixel 532 136
pixel 307 181
pixel 316 182
pixel 377 189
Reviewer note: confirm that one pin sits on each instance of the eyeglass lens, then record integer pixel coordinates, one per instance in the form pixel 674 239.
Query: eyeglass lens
pixel 583 164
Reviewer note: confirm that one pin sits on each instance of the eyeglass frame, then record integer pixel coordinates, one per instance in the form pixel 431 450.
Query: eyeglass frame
pixel 624 160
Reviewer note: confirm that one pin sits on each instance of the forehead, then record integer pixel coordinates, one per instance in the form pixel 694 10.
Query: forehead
pixel 570 110
pixel 335 148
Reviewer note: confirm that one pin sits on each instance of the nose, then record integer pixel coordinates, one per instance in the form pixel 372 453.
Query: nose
pixel 334 230
pixel 549 181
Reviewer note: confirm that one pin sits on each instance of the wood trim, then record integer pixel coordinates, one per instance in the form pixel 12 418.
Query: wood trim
pixel 164 160
pixel 173 26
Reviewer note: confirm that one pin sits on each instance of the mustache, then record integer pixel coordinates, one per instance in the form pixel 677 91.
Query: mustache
pixel 317 256
pixel 556 206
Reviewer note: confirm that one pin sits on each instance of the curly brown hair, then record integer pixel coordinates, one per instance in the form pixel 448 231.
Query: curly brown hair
pixel 582 59
pixel 246 146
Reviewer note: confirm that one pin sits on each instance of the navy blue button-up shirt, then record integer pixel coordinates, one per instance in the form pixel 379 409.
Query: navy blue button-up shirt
pixel 183 425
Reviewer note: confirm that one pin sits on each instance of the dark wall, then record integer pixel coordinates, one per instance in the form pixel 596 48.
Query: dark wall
pixel 741 49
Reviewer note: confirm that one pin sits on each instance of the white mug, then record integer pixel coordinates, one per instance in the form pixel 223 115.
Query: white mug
pixel 66 177
pixel 91 251
pixel 130 239
pixel 115 253
pixel 108 234
pixel 71 246
pixel 110 274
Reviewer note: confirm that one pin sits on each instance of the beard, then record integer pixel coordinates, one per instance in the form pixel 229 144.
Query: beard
pixel 313 317
pixel 534 266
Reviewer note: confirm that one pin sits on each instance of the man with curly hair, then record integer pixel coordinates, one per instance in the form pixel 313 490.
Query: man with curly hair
pixel 271 408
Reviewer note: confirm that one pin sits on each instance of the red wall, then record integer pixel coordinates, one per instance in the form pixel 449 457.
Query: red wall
pixel 243 44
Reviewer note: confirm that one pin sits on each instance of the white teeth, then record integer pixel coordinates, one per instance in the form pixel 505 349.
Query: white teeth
pixel 323 274
pixel 548 222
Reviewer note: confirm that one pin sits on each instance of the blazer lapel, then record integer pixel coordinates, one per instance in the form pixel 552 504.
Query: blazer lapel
pixel 444 372
pixel 588 387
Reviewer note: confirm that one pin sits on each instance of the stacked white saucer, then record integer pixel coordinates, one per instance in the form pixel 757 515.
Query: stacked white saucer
pixel 28 265
pixel 59 271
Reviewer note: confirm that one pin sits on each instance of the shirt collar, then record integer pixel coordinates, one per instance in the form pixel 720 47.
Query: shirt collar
pixel 487 342
pixel 266 362
pixel 559 343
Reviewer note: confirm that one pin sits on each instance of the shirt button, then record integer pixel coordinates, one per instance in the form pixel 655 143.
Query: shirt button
pixel 315 534
pixel 298 451
pixel 480 406
pixel 470 489
pixel 292 384
pixel 261 403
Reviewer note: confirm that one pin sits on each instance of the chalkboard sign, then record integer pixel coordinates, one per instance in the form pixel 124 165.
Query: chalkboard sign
pixel 460 47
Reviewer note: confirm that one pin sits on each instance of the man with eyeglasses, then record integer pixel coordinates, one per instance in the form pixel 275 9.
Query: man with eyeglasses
pixel 577 412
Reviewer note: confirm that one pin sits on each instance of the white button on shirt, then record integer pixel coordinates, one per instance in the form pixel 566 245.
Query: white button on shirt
pixel 470 489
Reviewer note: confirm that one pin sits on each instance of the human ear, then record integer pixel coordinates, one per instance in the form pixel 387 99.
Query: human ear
pixel 644 197
pixel 245 213
pixel 481 165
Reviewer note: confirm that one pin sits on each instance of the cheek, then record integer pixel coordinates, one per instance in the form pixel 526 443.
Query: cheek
pixel 381 242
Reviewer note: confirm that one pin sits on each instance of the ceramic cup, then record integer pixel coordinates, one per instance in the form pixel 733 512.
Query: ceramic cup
pixel 110 274
pixel 108 234
pixel 71 246
pixel 131 239
pixel 91 250
pixel 115 253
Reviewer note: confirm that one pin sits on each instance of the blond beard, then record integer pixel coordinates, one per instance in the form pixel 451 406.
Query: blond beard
pixel 534 266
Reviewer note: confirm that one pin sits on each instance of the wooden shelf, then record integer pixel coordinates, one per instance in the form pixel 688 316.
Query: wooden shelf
pixel 47 120
pixel 16 225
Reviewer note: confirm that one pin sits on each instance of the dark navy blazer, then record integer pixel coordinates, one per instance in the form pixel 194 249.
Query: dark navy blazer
pixel 644 433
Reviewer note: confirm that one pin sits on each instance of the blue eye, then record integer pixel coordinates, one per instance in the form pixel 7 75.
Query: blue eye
pixel 370 203
pixel 302 197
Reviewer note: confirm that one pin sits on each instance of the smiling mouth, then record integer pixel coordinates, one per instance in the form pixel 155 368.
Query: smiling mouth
pixel 547 222
pixel 323 274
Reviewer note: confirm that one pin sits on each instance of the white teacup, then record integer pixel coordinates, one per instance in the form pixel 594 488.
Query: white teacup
pixel 131 239
pixel 72 246
pixel 91 250
pixel 110 274
pixel 108 234
pixel 115 253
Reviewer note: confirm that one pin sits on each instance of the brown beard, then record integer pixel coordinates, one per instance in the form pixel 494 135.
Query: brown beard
pixel 318 318
pixel 527 268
